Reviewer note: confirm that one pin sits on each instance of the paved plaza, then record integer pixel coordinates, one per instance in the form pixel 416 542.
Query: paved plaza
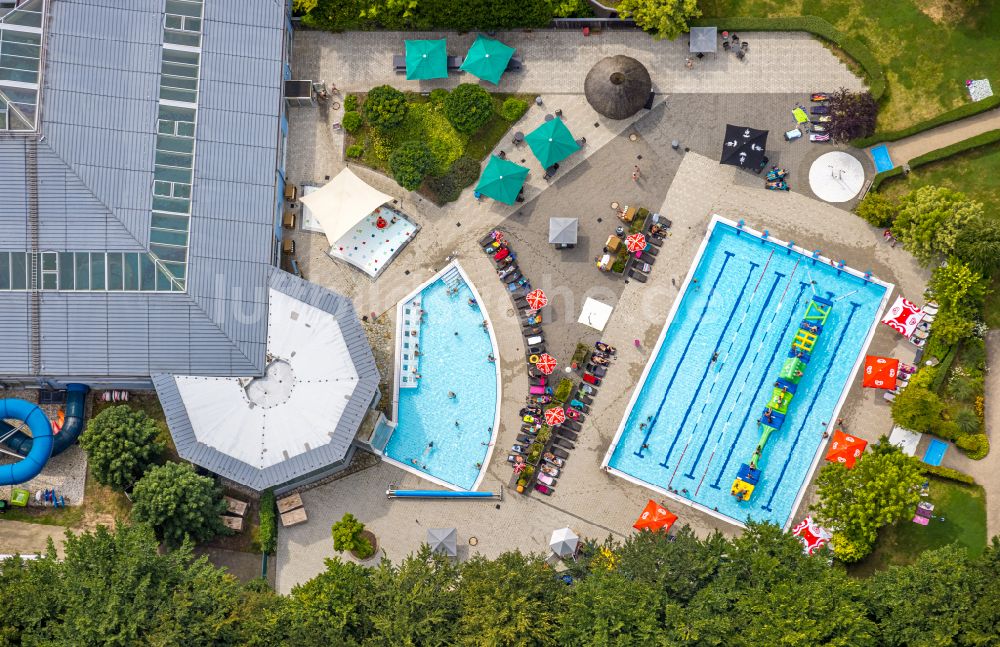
pixel 687 186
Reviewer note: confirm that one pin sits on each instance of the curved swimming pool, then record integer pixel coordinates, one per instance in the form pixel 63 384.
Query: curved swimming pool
pixel 694 418
pixel 447 389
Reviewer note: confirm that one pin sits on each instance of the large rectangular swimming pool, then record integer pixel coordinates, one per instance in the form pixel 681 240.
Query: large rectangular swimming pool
pixel 694 418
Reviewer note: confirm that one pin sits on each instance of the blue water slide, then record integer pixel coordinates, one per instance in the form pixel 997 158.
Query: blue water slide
pixel 441 494
pixel 41 444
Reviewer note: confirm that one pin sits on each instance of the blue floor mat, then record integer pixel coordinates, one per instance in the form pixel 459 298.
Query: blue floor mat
pixel 882 160
pixel 935 452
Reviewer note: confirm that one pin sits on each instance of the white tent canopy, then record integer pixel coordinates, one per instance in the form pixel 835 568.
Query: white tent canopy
pixel 905 439
pixel 595 314
pixel 342 203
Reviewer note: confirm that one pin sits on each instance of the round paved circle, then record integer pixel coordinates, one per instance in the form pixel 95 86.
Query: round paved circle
pixel 836 176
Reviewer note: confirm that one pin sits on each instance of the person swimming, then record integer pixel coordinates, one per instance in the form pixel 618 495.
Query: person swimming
pixel 715 356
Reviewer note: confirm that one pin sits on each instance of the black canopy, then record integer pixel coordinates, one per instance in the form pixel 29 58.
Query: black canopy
pixel 744 147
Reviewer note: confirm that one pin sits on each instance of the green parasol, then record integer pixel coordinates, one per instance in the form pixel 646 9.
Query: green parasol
pixel 487 59
pixel 552 142
pixel 502 180
pixel 426 59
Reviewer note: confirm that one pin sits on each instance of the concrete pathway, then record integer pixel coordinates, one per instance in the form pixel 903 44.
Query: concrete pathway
pixel 906 149
pixel 557 62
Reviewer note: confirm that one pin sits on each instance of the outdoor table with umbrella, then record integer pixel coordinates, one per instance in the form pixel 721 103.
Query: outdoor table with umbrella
pixel 744 147
pixel 555 416
pixel 635 243
pixel 551 142
pixel 426 59
pixel 546 364
pixel 443 540
pixel 536 299
pixel 564 542
pixel 502 180
pixel 487 59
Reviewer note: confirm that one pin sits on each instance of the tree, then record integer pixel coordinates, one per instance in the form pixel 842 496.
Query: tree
pixel 348 535
pixel 978 245
pixel 607 608
pixel 930 220
pixel 333 607
pixel 117 589
pixel 664 18
pixel 918 409
pixel 410 163
pixel 882 487
pixel 468 107
pixel 178 503
pixel 678 569
pixel 926 603
pixel 385 107
pixel 121 442
pixel 878 209
pixel 854 115
pixel 510 600
pixel 416 603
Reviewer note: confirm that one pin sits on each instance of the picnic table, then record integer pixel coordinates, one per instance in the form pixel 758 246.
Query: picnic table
pixel 289 503
pixel 294 517
pixel 233 523
pixel 235 506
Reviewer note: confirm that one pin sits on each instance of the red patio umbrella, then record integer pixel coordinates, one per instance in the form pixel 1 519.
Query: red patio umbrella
pixel 845 449
pixel 635 243
pixel 880 372
pixel 546 363
pixel 555 416
pixel 536 299
pixel 903 316
pixel 655 517
pixel 812 536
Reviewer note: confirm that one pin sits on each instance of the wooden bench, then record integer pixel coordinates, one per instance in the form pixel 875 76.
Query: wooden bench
pixel 294 517
pixel 289 503
pixel 235 506
pixel 233 523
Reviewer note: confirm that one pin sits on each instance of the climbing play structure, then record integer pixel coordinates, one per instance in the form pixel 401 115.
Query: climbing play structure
pixel 783 393
pixel 43 442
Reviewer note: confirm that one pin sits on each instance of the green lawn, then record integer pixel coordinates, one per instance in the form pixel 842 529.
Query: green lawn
pixel 977 174
pixel 927 47
pixel 964 510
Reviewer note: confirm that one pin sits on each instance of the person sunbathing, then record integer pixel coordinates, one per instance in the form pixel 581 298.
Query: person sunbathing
pixel 600 360
pixel 604 348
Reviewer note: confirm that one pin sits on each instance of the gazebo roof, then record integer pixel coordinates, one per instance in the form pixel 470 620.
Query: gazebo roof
pixel 618 86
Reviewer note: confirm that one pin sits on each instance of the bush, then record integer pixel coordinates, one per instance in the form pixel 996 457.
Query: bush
pixel 351 103
pixel 410 163
pixel 662 18
pixel 468 107
pixel 355 150
pixel 563 390
pixel 347 537
pixel 513 109
pixel 438 95
pixel 121 442
pixel 268 531
pixel 977 446
pixel 815 25
pixel 178 503
pixel 877 209
pixel 854 115
pixel 947 473
pixel 351 121
pixel 918 409
pixel 447 188
pixel 385 107
pixel 930 220
pixel 961 112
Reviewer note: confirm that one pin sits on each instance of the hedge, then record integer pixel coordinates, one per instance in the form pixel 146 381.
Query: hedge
pixel 961 112
pixel 816 26
pixel 982 139
pixel 885 175
pixel 268 531
pixel 947 473
pixel 943 369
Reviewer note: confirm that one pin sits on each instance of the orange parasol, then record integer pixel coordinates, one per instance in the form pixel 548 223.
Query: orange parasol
pixel 880 372
pixel 845 449
pixel 655 517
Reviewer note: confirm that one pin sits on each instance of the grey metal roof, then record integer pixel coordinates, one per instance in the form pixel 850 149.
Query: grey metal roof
pixel 95 165
pixel 189 447
pixel 563 231
pixel 703 39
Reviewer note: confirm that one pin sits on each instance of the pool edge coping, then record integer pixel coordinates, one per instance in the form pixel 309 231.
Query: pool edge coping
pixel 398 365
pixel 640 383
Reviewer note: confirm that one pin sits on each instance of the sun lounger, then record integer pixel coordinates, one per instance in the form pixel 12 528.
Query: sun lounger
pixel 537 381
pixel 636 274
pixel 591 379
pixel 572 425
pixel 652 251
pixel 455 63
pixel 566 433
pixel 647 257
pixel 563 442
pixel 599 371
pixel 399 63
pixel 654 241
pixel 559 453
pixel 889 397
pixel 513 276
pixel 535 350
pixel 514 64
pixel 544 489
pixel 584 398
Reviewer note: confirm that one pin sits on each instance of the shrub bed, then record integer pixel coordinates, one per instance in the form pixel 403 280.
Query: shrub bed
pixel 268 532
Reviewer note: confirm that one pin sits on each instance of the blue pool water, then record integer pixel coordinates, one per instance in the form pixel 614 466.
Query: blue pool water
pixel 882 160
pixel 694 421
pixel 448 362
pixel 935 452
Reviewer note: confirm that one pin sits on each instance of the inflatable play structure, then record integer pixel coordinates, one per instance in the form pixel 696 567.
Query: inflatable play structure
pixel 783 393
pixel 42 443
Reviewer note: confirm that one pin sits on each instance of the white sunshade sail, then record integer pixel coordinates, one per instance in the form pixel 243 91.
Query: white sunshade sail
pixel 595 314
pixel 905 439
pixel 342 203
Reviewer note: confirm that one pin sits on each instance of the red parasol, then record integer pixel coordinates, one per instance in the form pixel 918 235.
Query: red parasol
pixel 635 243
pixel 903 317
pixel 546 363
pixel 845 449
pixel 655 517
pixel 880 372
pixel 555 416
pixel 812 536
pixel 536 299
